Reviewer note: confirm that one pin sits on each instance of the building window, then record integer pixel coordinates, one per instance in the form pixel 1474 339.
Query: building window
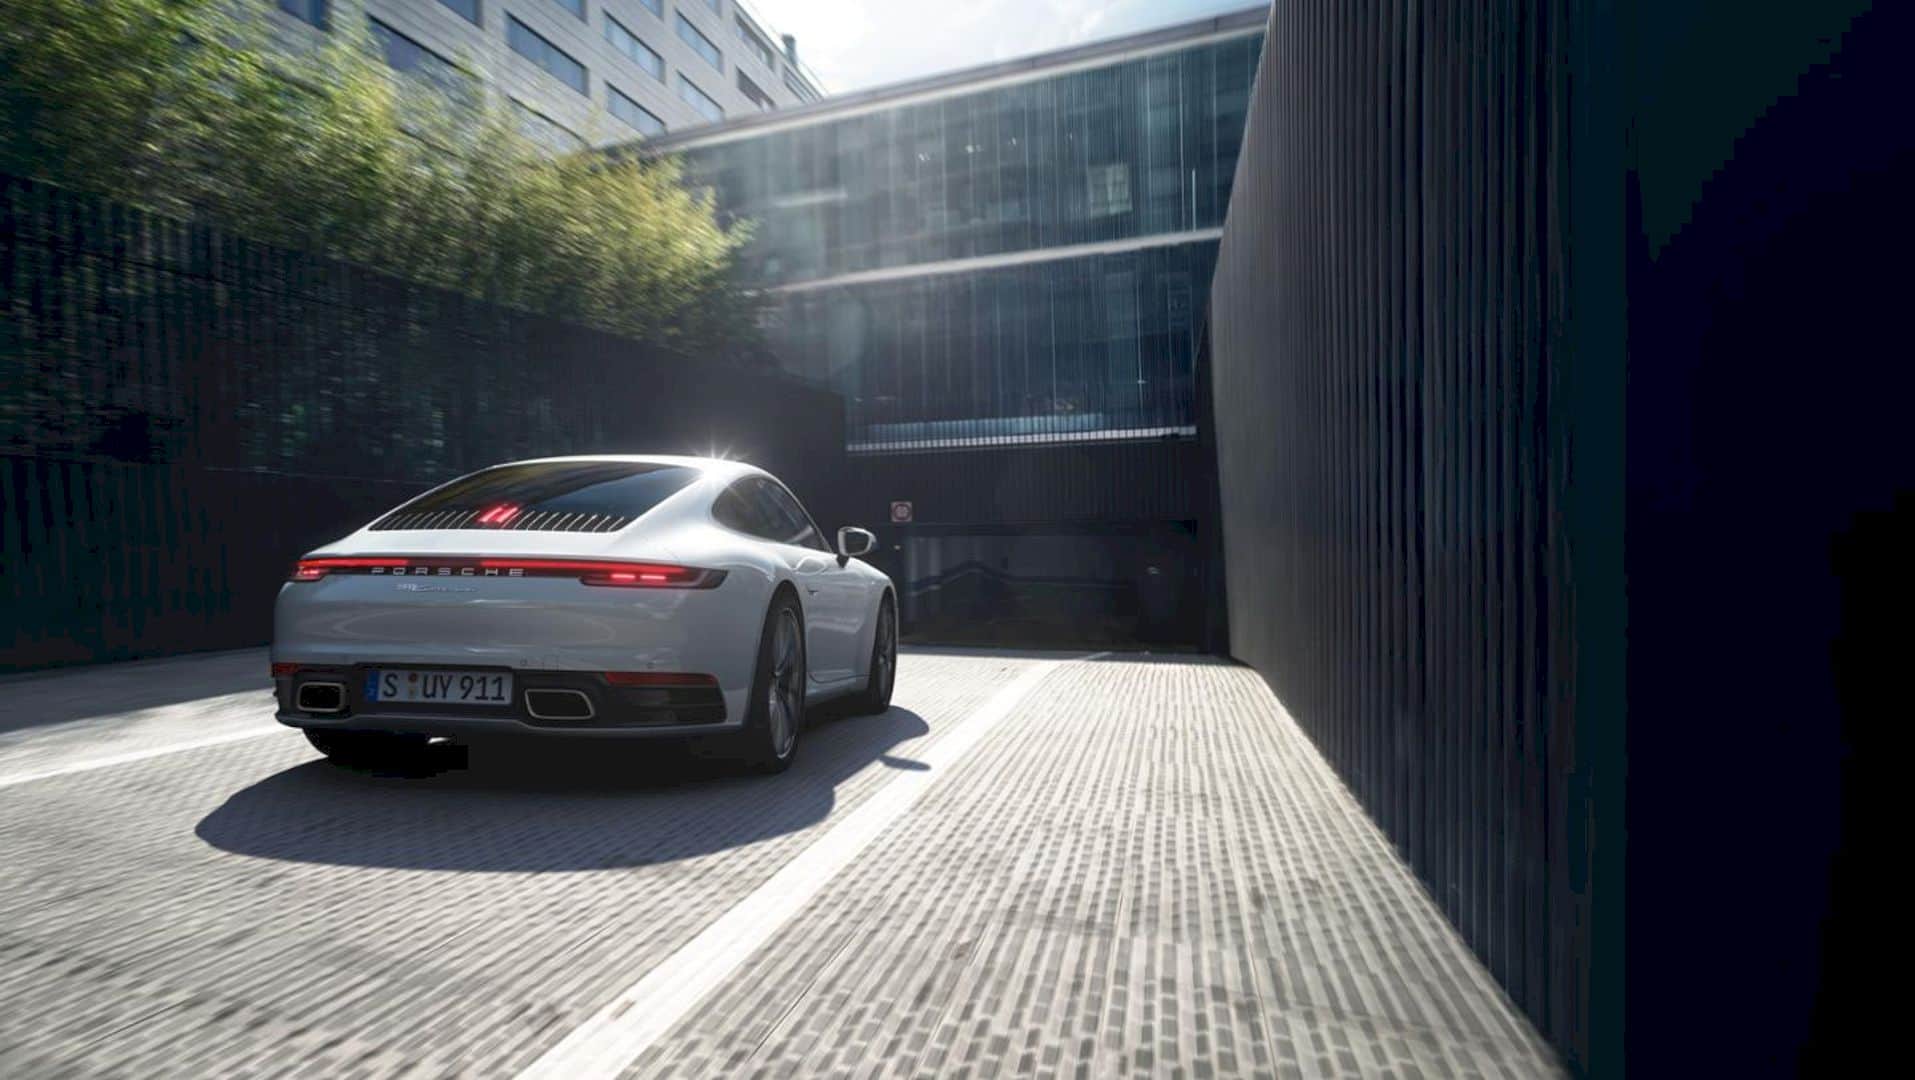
pixel 415 61
pixel 798 88
pixel 637 51
pixel 1109 190
pixel 527 43
pixel 312 11
pixel 701 44
pixel 576 7
pixel 756 44
pixel 1063 349
pixel 544 130
pixel 753 94
pixel 467 8
pixel 699 100
pixel 656 7
pixel 632 112
pixel 717 6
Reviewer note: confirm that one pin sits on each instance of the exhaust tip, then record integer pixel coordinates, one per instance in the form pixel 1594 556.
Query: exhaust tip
pixel 322 697
pixel 559 704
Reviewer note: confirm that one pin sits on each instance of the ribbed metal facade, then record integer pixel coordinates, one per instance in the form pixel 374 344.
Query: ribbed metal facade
pixel 1561 386
pixel 183 412
pixel 1418 468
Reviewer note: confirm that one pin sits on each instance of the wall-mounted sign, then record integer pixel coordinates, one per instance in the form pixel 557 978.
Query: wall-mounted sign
pixel 900 513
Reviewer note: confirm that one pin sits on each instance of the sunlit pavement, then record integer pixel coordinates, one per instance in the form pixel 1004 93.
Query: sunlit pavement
pixel 1034 863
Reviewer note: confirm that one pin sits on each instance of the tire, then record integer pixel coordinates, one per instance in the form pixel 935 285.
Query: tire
pixel 368 749
pixel 775 713
pixel 876 695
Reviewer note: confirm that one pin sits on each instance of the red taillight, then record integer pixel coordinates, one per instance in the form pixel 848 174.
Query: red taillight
pixel 651 577
pixel 499 514
pixel 658 678
pixel 622 574
pixel 285 669
pixel 630 575
pixel 314 569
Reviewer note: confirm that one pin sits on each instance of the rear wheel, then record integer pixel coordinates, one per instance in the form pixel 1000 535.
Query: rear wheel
pixel 776 712
pixel 876 695
pixel 368 749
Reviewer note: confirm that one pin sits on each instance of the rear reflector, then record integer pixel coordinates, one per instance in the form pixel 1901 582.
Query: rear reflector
pixel 285 669
pixel 631 575
pixel 658 678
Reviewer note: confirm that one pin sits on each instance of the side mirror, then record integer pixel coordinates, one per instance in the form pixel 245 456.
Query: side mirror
pixel 853 541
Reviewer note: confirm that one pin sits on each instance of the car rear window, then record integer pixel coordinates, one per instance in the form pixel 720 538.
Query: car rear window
pixel 563 495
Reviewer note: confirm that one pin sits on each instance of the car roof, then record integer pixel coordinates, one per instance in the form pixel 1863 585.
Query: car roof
pixel 714 466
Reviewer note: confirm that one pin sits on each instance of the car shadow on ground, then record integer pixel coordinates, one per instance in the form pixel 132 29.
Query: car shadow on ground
pixel 550 806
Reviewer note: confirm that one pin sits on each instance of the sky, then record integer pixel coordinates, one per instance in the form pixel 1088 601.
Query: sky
pixel 853 44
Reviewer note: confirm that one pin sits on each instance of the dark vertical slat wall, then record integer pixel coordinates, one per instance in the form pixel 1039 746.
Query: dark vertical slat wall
pixel 1541 487
pixel 1412 531
pixel 183 412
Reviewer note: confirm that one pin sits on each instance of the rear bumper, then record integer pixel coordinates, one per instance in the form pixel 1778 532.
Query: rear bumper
pixel 616 711
pixel 546 632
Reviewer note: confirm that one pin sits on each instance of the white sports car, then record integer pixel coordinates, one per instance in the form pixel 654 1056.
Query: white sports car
pixel 584 596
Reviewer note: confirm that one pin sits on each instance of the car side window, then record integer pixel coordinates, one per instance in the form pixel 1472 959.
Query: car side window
pixel 739 508
pixel 795 522
pixel 779 525
pixel 764 509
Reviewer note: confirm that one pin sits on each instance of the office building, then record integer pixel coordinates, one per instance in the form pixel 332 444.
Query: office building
pixel 1016 253
pixel 583 72
pixel 999 264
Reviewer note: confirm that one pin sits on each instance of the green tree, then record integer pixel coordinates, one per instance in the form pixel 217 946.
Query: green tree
pixel 187 108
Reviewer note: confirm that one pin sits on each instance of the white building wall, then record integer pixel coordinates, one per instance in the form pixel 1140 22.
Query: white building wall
pixel 483 50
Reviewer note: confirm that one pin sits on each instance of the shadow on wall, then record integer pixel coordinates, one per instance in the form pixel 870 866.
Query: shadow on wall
pixel 546 808
pixel 1768 571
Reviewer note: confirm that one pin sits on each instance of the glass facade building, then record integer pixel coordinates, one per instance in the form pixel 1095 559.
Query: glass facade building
pixel 1095 347
pixel 1018 254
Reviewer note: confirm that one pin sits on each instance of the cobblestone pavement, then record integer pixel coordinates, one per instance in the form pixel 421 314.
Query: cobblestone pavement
pixel 1140 867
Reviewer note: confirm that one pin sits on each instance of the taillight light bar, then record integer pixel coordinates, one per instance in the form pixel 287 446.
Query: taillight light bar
pixel 631 575
pixel 606 572
pixel 314 569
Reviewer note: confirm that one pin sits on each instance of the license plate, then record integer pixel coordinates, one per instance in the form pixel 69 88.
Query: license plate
pixel 439 687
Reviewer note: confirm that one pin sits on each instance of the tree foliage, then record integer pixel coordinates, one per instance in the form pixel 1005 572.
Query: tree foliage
pixel 188 107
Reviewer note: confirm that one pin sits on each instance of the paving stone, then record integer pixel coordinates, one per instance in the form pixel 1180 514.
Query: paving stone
pixel 1146 869
pixel 248 907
